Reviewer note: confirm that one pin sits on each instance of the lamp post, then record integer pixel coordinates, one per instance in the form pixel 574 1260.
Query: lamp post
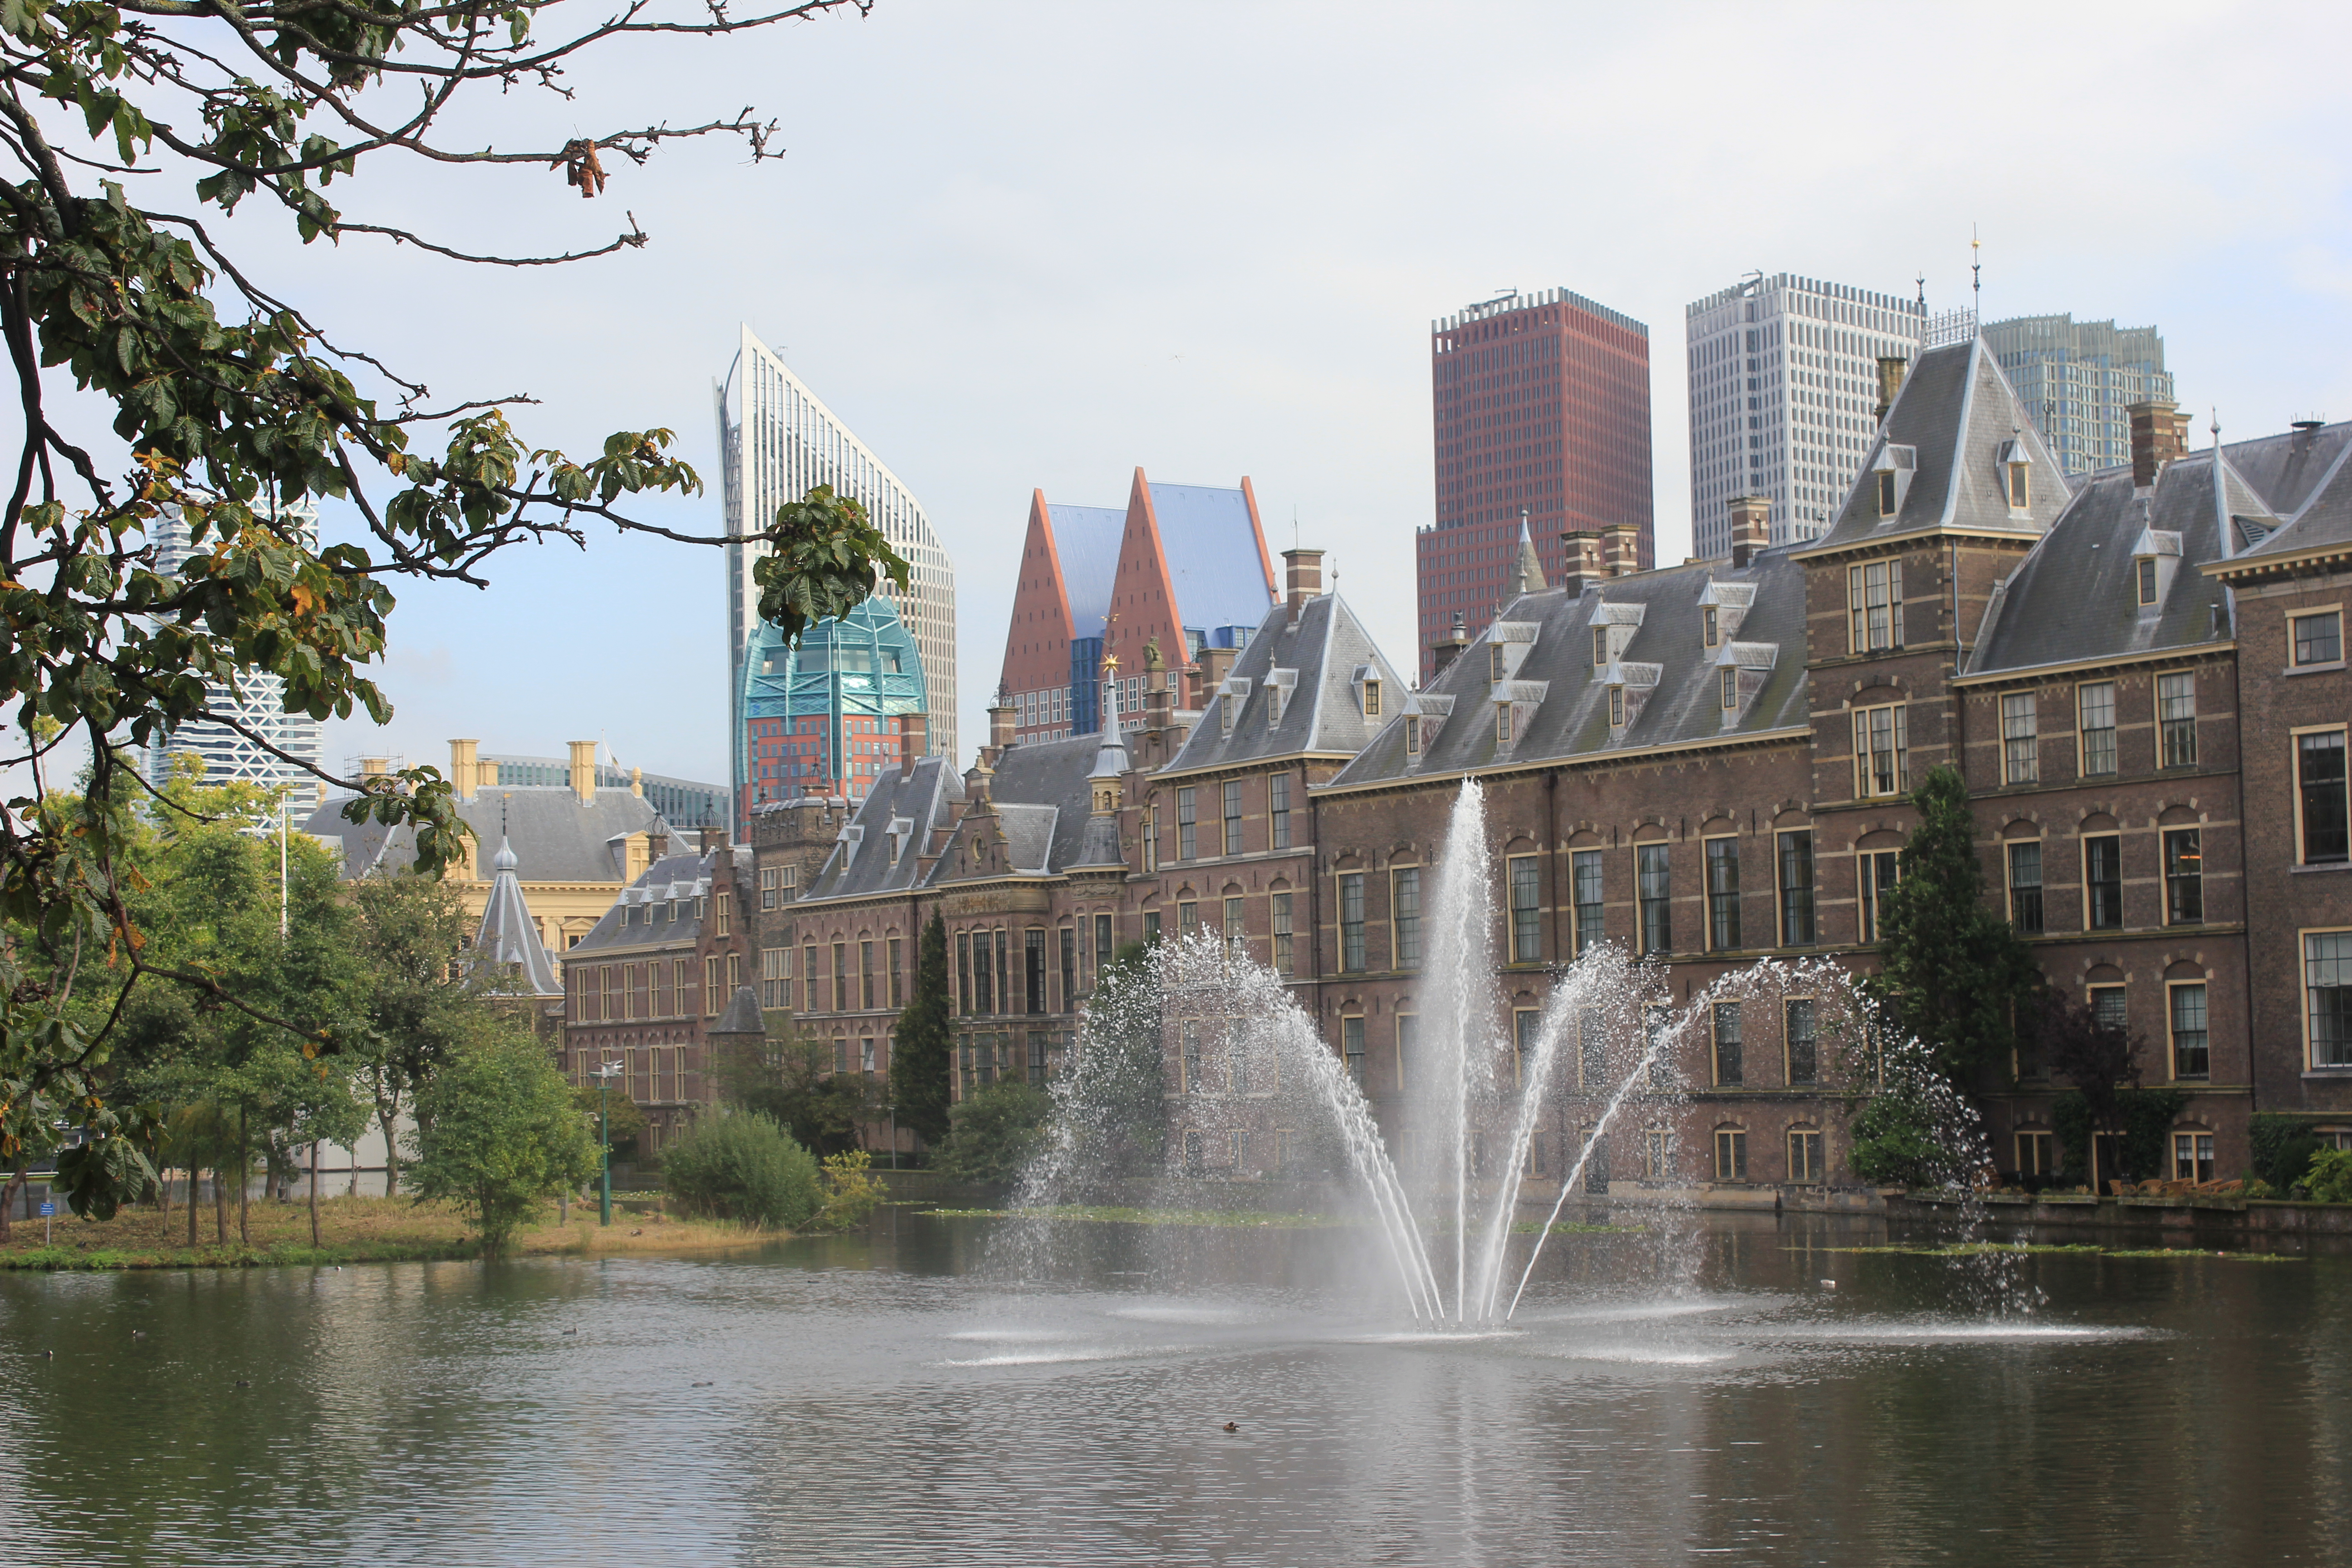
pixel 605 1075
pixel 893 1108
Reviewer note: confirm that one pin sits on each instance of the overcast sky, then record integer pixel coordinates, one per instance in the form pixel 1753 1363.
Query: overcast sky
pixel 1020 246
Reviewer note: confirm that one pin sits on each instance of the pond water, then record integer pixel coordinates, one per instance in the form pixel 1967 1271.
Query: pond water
pixel 923 1393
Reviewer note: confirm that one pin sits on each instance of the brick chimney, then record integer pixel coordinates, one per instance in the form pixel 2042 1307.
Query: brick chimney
pixel 2159 433
pixel 1447 648
pixel 1216 663
pixel 914 739
pixel 1302 578
pixel 1000 726
pixel 583 771
pixel 465 776
pixel 1751 526
pixel 1891 369
pixel 1621 549
pixel 1579 560
pixel 710 838
pixel 374 768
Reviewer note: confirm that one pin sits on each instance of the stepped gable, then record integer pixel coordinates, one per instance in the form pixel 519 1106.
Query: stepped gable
pixel 1950 431
pixel 919 806
pixel 1295 689
pixel 1657 652
pixel 1039 796
pixel 556 837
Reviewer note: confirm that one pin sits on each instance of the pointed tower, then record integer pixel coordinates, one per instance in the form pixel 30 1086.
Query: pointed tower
pixel 1106 785
pixel 507 943
pixel 1528 576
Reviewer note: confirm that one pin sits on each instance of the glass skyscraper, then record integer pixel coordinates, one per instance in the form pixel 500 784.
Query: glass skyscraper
pixel 2077 380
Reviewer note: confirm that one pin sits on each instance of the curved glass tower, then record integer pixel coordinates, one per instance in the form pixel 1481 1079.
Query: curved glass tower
pixel 777 441
pixel 822 718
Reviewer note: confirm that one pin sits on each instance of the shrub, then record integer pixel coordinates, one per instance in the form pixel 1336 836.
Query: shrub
pixel 993 1133
pixel 743 1167
pixel 497 1134
pixel 2329 1176
pixel 1894 1144
pixel 2282 1147
pixel 855 1192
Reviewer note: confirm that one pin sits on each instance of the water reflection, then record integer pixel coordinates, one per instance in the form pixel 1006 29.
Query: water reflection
pixel 884 1397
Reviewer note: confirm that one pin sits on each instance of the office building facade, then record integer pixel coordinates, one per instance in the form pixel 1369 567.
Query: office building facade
pixel 824 717
pixel 1784 398
pixel 2079 379
pixel 1541 411
pixel 777 441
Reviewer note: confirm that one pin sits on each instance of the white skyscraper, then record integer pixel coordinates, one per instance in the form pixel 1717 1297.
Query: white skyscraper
pixel 256 701
pixel 1784 398
pixel 777 441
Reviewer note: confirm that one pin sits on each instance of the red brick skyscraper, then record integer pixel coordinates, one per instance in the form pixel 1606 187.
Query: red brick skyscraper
pixel 1542 407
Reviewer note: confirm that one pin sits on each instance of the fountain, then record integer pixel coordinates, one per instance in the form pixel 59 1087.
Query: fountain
pixel 1249 1064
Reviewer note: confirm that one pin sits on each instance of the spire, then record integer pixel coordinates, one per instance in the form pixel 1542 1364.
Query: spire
pixel 507 943
pixel 1110 756
pixel 1530 577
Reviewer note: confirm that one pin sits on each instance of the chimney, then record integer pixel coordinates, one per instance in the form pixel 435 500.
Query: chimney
pixel 1000 725
pixel 1302 578
pixel 583 771
pixel 914 739
pixel 708 838
pixel 465 774
pixel 1216 663
pixel 1621 549
pixel 1579 560
pixel 1891 369
pixel 1447 648
pixel 2159 435
pixel 1751 524
pixel 374 768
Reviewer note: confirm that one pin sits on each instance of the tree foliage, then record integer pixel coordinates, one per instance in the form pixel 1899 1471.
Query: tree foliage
pixel 994 1133
pixel 2100 1061
pixel 497 1134
pixel 922 1047
pixel 796 1086
pixel 230 406
pixel 745 1167
pixel 1952 970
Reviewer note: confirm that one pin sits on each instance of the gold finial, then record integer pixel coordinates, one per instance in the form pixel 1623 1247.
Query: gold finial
pixel 1110 662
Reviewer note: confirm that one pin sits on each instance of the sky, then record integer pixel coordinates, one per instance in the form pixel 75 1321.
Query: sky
pixel 1021 246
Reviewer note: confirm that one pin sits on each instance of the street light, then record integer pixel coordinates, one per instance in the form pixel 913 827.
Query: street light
pixel 604 1077
pixel 893 1108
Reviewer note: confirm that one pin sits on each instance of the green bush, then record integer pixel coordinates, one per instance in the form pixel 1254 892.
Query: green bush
pixel 2282 1147
pixel 1894 1144
pixel 993 1133
pixel 745 1167
pixel 497 1134
pixel 2329 1176
pixel 2148 1117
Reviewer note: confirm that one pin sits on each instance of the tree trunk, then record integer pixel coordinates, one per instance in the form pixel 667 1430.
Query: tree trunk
pixel 193 1175
pixel 8 1200
pixel 314 1192
pixel 387 1116
pixel 163 1197
pixel 220 1206
pixel 244 1179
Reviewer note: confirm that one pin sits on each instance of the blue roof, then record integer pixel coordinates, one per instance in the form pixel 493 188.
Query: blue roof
pixel 865 663
pixel 1086 538
pixel 1214 561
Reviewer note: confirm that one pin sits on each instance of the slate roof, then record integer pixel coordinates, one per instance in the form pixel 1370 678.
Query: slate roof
pixel 1322 705
pixel 743 1015
pixel 1217 563
pixel 2321 517
pixel 1956 415
pixel 1086 542
pixel 508 938
pixel 1563 712
pixel 1042 796
pixel 668 889
pixel 925 800
pixel 555 838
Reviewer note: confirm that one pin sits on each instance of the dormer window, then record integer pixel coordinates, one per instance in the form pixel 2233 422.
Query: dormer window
pixel 1730 688
pixel 1616 707
pixel 1600 646
pixel 1371 698
pixel 2020 490
pixel 2016 467
pixel 1497 665
pixel 1502 723
pixel 1413 734
pixel 1711 633
pixel 1887 499
pixel 2147 564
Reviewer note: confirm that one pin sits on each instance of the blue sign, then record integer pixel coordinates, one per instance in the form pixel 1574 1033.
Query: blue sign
pixel 48 1209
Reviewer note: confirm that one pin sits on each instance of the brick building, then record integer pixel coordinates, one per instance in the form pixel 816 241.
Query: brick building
pixel 2140 675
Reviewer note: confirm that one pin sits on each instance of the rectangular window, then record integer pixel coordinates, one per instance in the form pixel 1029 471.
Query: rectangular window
pixel 2037 1154
pixel 1730 1155
pixel 2095 718
pixel 1616 707
pixel 983 977
pixel 2184 878
pixel 2319 640
pixel 1187 824
pixel 866 1057
pixel 1404 915
pixel 1033 968
pixel 2147 577
pixel 2191 1055
pixel 2327 996
pixel 1709 626
pixel 1351 1045
pixel 1728 1067
pixel 1875 606
pixel 1652 892
pixel 2176 713
pixel 963 970
pixel 1413 734
pixel 1284 955
pixel 1526 1033
pixel 1502 723
pixel 1879 870
pixel 2026 886
pixel 1151 838
pixel 711 987
pixel 2321 803
pixel 2193 1156
pixel 1803 1040
pixel 1104 950
pixel 1277 796
pixel 1882 751
pixel 775 990
pixel 1191 1066
pixel 2102 882
pixel 1805 1167
pixel 2110 1006
pixel 2020 743
pixel 1527 911
pixel 1657 1147
pixel 1585 876
pixel 897 986
pixel 768 878
pixel 1723 894
pixel 1232 794
pixel 1797 927
pixel 1235 925
pixel 842 1000
pixel 1351 920
pixel 865 975
pixel 1372 700
pixel 1151 928
pixel 1600 646
pixel 1188 917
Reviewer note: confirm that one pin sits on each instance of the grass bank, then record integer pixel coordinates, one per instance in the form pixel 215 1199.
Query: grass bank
pixel 351 1230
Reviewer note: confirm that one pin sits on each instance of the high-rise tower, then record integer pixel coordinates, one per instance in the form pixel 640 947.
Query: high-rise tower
pixel 777 441
pixel 1541 406
pixel 1784 398
pixel 2079 379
